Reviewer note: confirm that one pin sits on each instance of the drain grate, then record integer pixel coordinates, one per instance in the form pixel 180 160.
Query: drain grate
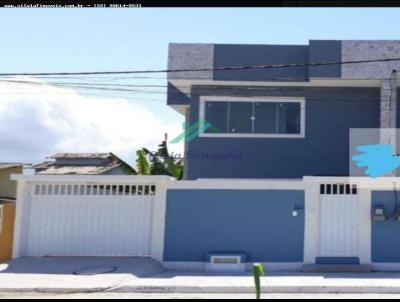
pixel 91 271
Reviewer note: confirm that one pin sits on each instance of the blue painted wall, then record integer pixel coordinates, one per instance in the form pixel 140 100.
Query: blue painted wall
pixel 256 222
pixel 330 114
pixel 322 51
pixel 385 235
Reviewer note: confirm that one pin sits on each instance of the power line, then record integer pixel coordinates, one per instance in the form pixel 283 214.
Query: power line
pixel 107 93
pixel 216 85
pixel 225 90
pixel 89 94
pixel 89 84
pixel 334 108
pixel 231 68
pixel 95 78
pixel 153 85
pixel 79 86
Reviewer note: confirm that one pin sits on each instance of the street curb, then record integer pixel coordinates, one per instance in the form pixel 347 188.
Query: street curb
pixel 265 289
pixel 215 290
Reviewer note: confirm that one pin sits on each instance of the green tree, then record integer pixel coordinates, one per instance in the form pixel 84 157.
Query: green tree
pixel 159 162
pixel 142 164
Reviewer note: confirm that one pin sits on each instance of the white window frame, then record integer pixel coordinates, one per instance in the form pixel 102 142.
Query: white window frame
pixel 266 99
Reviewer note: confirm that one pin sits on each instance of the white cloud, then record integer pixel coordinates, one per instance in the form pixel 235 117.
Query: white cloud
pixel 39 120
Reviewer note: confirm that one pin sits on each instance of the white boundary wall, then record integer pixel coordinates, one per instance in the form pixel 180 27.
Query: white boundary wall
pixel 30 186
pixel 311 186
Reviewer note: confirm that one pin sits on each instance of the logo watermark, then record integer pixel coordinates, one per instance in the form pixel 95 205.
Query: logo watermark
pixel 190 132
pixel 229 155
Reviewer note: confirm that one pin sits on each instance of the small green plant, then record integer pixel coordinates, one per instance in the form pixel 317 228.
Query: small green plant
pixel 258 272
pixel 159 162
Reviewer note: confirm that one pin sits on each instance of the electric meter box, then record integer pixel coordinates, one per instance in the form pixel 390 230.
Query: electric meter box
pixel 378 214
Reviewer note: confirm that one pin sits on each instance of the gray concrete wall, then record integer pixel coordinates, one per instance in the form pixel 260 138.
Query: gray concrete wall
pixel 191 56
pixel 369 50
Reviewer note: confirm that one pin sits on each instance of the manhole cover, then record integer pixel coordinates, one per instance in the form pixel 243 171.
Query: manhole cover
pixel 90 271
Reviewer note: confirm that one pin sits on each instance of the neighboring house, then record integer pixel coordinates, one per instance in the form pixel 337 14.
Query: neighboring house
pixel 8 193
pixel 8 187
pixel 267 182
pixel 84 164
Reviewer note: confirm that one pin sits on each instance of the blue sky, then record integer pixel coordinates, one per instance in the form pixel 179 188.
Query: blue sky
pixel 111 39
pixel 55 40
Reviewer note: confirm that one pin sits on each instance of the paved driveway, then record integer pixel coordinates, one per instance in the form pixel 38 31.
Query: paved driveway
pixel 74 274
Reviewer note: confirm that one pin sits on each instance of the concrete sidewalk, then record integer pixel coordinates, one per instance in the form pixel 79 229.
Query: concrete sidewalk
pixel 200 282
pixel 138 275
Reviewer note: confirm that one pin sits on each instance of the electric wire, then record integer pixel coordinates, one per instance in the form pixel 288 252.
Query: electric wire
pixel 226 68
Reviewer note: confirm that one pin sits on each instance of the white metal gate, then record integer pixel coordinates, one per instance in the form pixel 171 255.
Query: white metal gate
pixel 90 220
pixel 339 232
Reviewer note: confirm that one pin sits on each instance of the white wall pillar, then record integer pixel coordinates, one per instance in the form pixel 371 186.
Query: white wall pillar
pixel 365 225
pixel 22 218
pixel 312 224
pixel 159 220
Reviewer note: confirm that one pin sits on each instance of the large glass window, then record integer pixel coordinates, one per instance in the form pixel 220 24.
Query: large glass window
pixel 288 118
pixel 217 115
pixel 253 117
pixel 265 117
pixel 240 117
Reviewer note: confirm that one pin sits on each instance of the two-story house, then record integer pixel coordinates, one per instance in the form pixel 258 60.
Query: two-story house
pixel 272 114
